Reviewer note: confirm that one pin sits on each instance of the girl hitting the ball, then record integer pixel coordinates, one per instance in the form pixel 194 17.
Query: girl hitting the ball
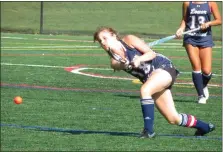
pixel 156 72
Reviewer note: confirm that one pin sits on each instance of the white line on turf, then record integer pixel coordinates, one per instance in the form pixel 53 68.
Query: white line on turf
pixel 34 47
pixel 48 39
pixel 31 65
pixel 177 47
pixel 78 71
pixel 50 66
pixel 8 37
pixel 165 45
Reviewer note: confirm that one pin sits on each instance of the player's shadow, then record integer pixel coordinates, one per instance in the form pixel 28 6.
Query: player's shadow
pixel 130 134
pixel 181 99
pixel 78 132
pixel 128 96
pixel 184 99
pixel 113 133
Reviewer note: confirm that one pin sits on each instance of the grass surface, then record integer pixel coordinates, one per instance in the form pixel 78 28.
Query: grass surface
pixel 85 17
pixel 63 111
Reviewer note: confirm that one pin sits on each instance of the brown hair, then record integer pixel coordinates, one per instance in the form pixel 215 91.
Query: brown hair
pixel 104 28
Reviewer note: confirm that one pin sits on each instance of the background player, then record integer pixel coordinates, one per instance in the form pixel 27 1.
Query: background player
pixel 199 44
pixel 157 74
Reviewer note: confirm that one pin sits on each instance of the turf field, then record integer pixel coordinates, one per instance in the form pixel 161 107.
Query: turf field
pixel 84 17
pixel 73 101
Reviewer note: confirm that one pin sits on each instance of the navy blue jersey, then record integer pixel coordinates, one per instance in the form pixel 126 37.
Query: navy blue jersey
pixel 146 68
pixel 198 14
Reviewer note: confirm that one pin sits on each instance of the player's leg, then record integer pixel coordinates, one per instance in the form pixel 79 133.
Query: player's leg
pixel 193 54
pixel 206 67
pixel 157 82
pixel 165 104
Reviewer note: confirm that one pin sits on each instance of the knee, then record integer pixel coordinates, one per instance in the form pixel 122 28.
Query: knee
pixel 206 71
pixel 196 68
pixel 145 91
pixel 173 120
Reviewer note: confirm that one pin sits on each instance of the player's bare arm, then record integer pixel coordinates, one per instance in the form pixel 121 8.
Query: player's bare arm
pixel 217 17
pixel 140 45
pixel 183 21
pixel 117 65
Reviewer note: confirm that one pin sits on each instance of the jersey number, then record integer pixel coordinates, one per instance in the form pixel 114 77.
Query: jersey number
pixel 201 20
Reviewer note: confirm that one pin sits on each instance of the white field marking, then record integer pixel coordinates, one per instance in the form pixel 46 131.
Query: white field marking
pixel 49 39
pixel 77 71
pixel 180 85
pixel 31 65
pixel 50 66
pixel 168 45
pixel 96 48
pixel 218 75
pixel 48 47
pixel 190 83
pixel 53 39
pixel 81 46
pixel 77 48
pixel 66 40
pixel 8 37
pixel 178 50
pixel 30 43
pixel 174 46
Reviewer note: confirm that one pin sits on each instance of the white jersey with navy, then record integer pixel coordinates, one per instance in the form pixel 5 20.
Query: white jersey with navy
pixel 198 14
pixel 146 68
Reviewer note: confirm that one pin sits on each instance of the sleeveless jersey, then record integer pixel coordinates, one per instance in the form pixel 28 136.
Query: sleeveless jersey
pixel 198 14
pixel 146 68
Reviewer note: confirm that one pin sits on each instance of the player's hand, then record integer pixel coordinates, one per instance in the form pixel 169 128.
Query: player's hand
pixel 117 66
pixel 179 32
pixel 204 26
pixel 136 61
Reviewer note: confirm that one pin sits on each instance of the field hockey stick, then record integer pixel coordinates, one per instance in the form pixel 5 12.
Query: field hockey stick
pixel 121 60
pixel 171 37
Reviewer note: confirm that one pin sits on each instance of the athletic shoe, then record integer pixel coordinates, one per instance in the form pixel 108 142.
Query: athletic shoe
pixel 145 134
pixel 206 92
pixel 202 100
pixel 202 133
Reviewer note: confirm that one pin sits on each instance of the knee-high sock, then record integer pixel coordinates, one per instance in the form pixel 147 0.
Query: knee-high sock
pixel 191 122
pixel 148 113
pixel 206 79
pixel 198 82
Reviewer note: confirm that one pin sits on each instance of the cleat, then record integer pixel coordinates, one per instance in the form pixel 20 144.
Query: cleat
pixel 145 134
pixel 206 92
pixel 202 100
pixel 202 133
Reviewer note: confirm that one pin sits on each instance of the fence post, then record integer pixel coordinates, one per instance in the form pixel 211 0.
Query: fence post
pixel 41 17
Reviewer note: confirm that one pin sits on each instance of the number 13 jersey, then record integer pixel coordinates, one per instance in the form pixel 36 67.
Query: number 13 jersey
pixel 198 14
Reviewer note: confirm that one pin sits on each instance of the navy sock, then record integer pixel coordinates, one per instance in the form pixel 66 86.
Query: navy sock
pixel 148 114
pixel 206 79
pixel 192 122
pixel 198 82
pixel 202 126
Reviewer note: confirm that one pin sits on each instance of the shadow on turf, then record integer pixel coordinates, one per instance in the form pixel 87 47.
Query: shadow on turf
pixel 130 134
pixel 138 97
pixel 128 96
pixel 78 132
pixel 184 100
